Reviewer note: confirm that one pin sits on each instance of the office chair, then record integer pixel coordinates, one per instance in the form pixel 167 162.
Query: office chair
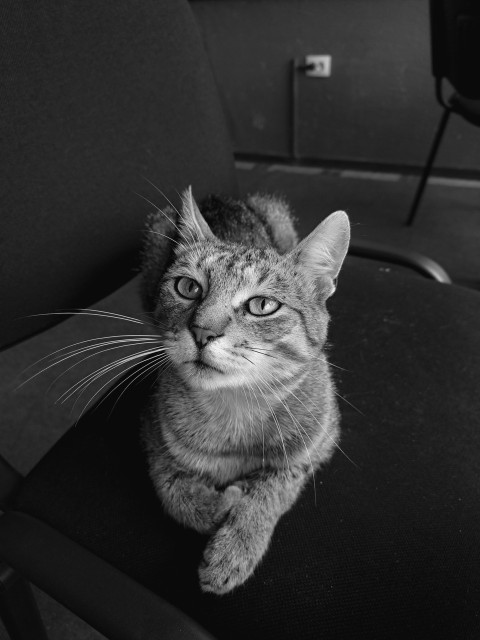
pixel 385 543
pixel 455 51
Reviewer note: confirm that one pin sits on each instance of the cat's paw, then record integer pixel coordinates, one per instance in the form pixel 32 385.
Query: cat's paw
pixel 229 497
pixel 230 558
pixel 211 506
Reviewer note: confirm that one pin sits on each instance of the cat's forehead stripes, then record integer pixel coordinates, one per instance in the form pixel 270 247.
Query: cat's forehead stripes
pixel 236 268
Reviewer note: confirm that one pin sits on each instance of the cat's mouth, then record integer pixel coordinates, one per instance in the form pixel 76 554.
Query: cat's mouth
pixel 201 365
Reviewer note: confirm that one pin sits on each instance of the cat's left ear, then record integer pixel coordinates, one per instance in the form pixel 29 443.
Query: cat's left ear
pixel 193 226
pixel 322 253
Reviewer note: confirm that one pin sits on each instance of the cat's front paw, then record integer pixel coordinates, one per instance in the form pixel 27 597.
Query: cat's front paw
pixel 228 498
pixel 206 507
pixel 230 557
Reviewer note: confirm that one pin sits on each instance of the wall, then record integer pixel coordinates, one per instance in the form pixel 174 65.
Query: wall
pixel 377 107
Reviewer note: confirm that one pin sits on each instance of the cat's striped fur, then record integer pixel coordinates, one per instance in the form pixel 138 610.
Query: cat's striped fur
pixel 246 411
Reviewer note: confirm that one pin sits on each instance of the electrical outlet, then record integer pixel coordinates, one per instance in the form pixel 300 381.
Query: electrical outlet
pixel 318 66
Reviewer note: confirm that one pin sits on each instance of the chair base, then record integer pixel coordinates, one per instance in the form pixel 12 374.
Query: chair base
pixel 428 165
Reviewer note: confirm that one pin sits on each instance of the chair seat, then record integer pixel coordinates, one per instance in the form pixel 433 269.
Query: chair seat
pixel 467 108
pixel 385 544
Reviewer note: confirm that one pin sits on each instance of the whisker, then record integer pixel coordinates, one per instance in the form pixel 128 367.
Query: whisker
pixel 91 377
pixel 106 384
pixel 160 210
pixel 110 314
pixel 164 235
pixel 256 346
pixel 96 353
pixel 275 419
pixel 261 423
pixel 98 313
pixel 319 424
pixel 61 358
pixel 296 423
pixel 156 207
pixel 75 344
pixel 330 363
pixel 115 386
pixel 152 362
pixel 162 194
pixel 261 352
pixel 348 402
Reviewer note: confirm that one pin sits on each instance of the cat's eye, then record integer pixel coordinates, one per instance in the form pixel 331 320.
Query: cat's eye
pixel 260 306
pixel 188 288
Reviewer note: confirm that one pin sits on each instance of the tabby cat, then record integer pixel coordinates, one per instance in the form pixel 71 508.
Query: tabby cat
pixel 246 410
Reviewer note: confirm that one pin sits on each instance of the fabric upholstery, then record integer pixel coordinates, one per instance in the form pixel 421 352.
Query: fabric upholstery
pixel 98 98
pixel 386 546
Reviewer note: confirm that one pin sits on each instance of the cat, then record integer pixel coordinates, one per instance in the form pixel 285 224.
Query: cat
pixel 245 411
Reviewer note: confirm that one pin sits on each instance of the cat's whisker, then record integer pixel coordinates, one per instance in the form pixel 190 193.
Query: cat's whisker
pixel 96 353
pixel 349 403
pixel 275 419
pixel 252 390
pixel 190 242
pixel 111 314
pixel 253 421
pixel 89 340
pixel 99 391
pixel 62 357
pixel 160 210
pixel 297 425
pixel 98 313
pixel 320 425
pixel 117 385
pixel 300 428
pixel 91 377
pixel 102 313
pixel 164 235
pixel 261 352
pixel 256 346
pixel 248 408
pixel 163 195
pixel 101 343
pixel 151 364
pixel 155 206
pixel 322 359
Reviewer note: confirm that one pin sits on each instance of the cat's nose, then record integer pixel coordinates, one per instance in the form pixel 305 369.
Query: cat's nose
pixel 202 336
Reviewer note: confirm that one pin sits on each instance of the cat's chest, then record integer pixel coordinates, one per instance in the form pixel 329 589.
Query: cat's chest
pixel 224 443
pixel 222 468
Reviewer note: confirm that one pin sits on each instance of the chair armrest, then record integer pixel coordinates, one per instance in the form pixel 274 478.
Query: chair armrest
pixel 416 261
pixel 104 597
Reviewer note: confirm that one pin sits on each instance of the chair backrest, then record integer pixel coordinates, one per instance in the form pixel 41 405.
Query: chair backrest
pixel 98 99
pixel 455 39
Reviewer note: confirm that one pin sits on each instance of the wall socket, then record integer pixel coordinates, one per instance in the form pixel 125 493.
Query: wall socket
pixel 318 66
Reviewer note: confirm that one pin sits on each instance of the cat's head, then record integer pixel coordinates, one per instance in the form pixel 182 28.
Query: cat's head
pixel 232 315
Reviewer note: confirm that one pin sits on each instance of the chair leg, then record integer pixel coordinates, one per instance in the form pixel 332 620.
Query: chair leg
pixel 18 609
pixel 428 165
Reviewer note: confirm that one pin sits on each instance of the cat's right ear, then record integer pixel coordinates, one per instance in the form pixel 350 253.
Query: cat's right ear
pixel 158 247
pixel 321 254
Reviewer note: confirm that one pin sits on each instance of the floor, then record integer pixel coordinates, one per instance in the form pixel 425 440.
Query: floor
pixel 447 230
